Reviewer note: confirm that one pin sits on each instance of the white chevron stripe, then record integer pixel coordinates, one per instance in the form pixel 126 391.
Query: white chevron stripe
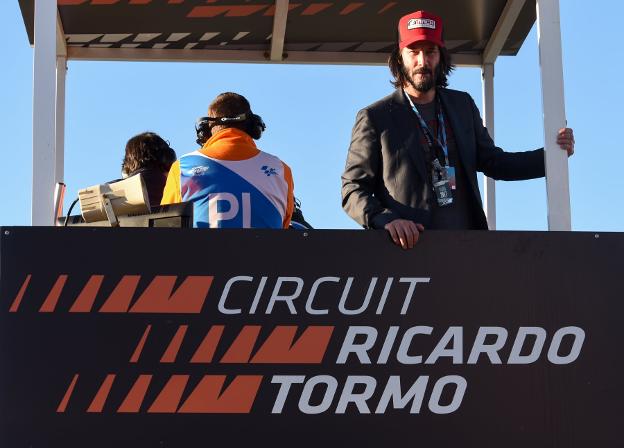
pixel 174 37
pixel 81 38
pixel 208 36
pixel 146 37
pixel 114 37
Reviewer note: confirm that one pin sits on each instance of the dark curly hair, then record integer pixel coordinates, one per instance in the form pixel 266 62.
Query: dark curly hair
pixel 395 63
pixel 147 150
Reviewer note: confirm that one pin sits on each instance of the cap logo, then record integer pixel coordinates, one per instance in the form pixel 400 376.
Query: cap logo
pixel 421 23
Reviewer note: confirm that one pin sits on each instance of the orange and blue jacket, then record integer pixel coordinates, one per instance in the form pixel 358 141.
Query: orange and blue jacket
pixel 232 184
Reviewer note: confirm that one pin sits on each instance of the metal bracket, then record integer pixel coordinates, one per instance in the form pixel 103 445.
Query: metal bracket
pixel 110 213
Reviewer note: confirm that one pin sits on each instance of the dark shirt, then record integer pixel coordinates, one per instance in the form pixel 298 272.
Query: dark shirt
pixel 458 215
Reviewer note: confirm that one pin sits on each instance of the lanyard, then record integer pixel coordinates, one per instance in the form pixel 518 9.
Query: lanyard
pixel 441 140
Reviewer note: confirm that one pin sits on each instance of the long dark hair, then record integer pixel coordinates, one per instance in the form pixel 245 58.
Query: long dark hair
pixel 395 63
pixel 147 150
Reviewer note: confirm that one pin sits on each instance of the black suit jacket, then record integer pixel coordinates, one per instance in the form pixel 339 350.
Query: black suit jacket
pixel 385 177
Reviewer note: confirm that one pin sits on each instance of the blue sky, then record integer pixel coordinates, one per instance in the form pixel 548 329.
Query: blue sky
pixel 310 110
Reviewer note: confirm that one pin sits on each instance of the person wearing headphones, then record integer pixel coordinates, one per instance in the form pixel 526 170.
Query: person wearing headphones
pixel 231 183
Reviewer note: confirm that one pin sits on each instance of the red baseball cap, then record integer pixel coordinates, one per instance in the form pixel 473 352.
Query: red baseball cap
pixel 419 26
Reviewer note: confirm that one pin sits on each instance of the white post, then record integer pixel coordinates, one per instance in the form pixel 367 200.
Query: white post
pixel 279 30
pixel 551 68
pixel 489 185
pixel 505 24
pixel 61 73
pixel 44 88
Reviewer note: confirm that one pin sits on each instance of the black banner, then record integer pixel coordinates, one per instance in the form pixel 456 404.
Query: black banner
pixel 185 338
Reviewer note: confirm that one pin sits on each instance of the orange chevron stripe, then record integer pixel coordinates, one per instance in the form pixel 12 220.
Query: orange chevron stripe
pixel 140 345
pixel 281 348
pixel 351 7
pixel 209 397
pixel 387 7
pixel 169 398
pixel 240 350
pixel 70 389
pixel 134 399
pixel 315 8
pixel 159 297
pixel 228 10
pixel 20 295
pixel 86 298
pixel 271 11
pixel 174 346
pixel 208 346
pixel 50 302
pixel 120 298
pixel 99 400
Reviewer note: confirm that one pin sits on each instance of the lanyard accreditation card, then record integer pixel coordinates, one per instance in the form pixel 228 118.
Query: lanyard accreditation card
pixel 442 174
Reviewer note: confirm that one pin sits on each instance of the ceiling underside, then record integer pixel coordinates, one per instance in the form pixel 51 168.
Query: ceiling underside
pixel 344 29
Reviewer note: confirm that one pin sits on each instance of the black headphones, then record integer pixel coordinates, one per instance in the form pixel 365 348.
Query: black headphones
pixel 254 125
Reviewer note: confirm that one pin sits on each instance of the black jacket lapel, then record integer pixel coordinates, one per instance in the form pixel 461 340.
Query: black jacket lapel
pixel 465 148
pixel 405 122
pixel 451 109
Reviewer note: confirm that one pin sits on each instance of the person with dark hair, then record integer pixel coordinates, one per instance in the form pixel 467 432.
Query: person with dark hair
pixel 414 155
pixel 150 156
pixel 231 183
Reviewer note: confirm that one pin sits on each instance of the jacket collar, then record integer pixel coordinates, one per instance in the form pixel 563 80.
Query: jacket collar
pixel 406 121
pixel 230 144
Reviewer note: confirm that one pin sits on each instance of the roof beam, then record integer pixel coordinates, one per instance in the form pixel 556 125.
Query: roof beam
pixel 244 56
pixel 279 30
pixel 501 32
pixel 61 43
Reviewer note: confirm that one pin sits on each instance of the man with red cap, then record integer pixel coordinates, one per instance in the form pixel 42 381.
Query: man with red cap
pixel 414 155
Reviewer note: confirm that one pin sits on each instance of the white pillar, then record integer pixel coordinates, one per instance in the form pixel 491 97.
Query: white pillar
pixel 61 73
pixel 44 127
pixel 279 30
pixel 551 69
pixel 489 186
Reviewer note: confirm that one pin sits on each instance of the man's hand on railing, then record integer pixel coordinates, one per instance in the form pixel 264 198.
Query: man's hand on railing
pixel 404 232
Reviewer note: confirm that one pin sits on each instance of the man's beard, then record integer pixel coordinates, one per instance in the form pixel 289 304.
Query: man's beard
pixel 425 83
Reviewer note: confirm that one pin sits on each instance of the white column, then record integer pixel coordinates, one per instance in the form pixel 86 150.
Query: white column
pixel 279 30
pixel 489 186
pixel 61 73
pixel 44 127
pixel 551 69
